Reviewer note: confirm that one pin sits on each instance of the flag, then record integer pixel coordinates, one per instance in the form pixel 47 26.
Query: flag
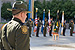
pixel 56 23
pixel 49 21
pixel 36 21
pixel 62 18
pixel 43 21
pixel 57 19
pixel 62 22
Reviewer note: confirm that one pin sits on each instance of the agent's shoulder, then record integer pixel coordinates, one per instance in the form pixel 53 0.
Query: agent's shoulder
pixel 12 24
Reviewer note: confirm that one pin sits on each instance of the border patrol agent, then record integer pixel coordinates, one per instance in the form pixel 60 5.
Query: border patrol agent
pixel 50 32
pixel 64 28
pixel 30 25
pixel 45 27
pixel 15 35
pixel 38 27
pixel 71 25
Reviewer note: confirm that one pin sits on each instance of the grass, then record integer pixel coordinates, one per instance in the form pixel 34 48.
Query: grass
pixel 3 22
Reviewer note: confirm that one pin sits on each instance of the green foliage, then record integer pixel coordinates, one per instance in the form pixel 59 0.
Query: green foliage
pixel 2 22
pixel 38 5
pixel 4 12
pixel 68 6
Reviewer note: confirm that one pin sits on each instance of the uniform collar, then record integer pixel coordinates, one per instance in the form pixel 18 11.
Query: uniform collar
pixel 18 20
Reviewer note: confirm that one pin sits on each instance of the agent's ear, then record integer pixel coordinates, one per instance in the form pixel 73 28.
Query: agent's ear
pixel 21 14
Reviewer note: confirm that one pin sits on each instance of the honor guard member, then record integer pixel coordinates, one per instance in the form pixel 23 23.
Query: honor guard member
pixel 50 32
pixel 15 35
pixel 64 28
pixel 71 25
pixel 45 27
pixel 38 26
pixel 30 25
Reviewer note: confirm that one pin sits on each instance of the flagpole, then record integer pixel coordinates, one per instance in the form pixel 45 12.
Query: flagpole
pixel 49 17
pixel 57 20
pixel 0 10
pixel 56 23
pixel 43 21
pixel 36 21
pixel 49 21
pixel 29 8
pixel 32 9
pixel 62 21
pixel 36 15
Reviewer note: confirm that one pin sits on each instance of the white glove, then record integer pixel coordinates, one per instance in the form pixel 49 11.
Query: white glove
pixel 70 27
pixel 43 25
pixel 56 27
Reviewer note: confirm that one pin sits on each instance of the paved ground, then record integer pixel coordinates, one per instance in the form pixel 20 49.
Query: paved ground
pixel 47 43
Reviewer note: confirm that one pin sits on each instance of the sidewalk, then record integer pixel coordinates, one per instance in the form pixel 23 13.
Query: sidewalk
pixel 47 43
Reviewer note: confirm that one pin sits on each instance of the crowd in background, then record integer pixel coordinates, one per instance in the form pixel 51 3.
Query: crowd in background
pixel 54 27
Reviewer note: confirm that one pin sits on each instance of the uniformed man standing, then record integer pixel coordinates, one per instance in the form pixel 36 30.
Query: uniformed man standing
pixel 71 25
pixel 45 28
pixel 15 35
pixel 64 28
pixel 38 26
pixel 30 25
pixel 50 32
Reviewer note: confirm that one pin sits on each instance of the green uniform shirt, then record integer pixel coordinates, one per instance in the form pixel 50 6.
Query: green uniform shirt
pixel 71 24
pixel 17 35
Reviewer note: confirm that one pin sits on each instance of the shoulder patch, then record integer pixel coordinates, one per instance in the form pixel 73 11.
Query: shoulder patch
pixel 24 29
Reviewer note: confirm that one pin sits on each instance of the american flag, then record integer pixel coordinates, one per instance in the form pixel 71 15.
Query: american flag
pixel 49 21
pixel 36 21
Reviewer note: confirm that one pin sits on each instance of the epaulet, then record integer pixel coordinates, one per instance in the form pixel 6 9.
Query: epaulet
pixel 12 24
pixel 15 23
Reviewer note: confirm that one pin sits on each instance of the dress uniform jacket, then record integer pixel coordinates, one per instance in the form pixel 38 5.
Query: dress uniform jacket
pixel 45 29
pixel 30 25
pixel 17 35
pixel 64 28
pixel 38 26
pixel 50 31
pixel 71 25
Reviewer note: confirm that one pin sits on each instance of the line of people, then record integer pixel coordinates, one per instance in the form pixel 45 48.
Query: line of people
pixel 30 25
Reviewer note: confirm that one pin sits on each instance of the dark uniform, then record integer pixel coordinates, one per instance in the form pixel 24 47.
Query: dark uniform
pixel 64 28
pixel 30 25
pixel 38 26
pixel 15 35
pixel 45 28
pixel 71 25
pixel 50 32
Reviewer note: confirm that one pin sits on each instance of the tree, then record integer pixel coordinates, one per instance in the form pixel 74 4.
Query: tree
pixel 38 5
pixel 4 12
pixel 68 6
